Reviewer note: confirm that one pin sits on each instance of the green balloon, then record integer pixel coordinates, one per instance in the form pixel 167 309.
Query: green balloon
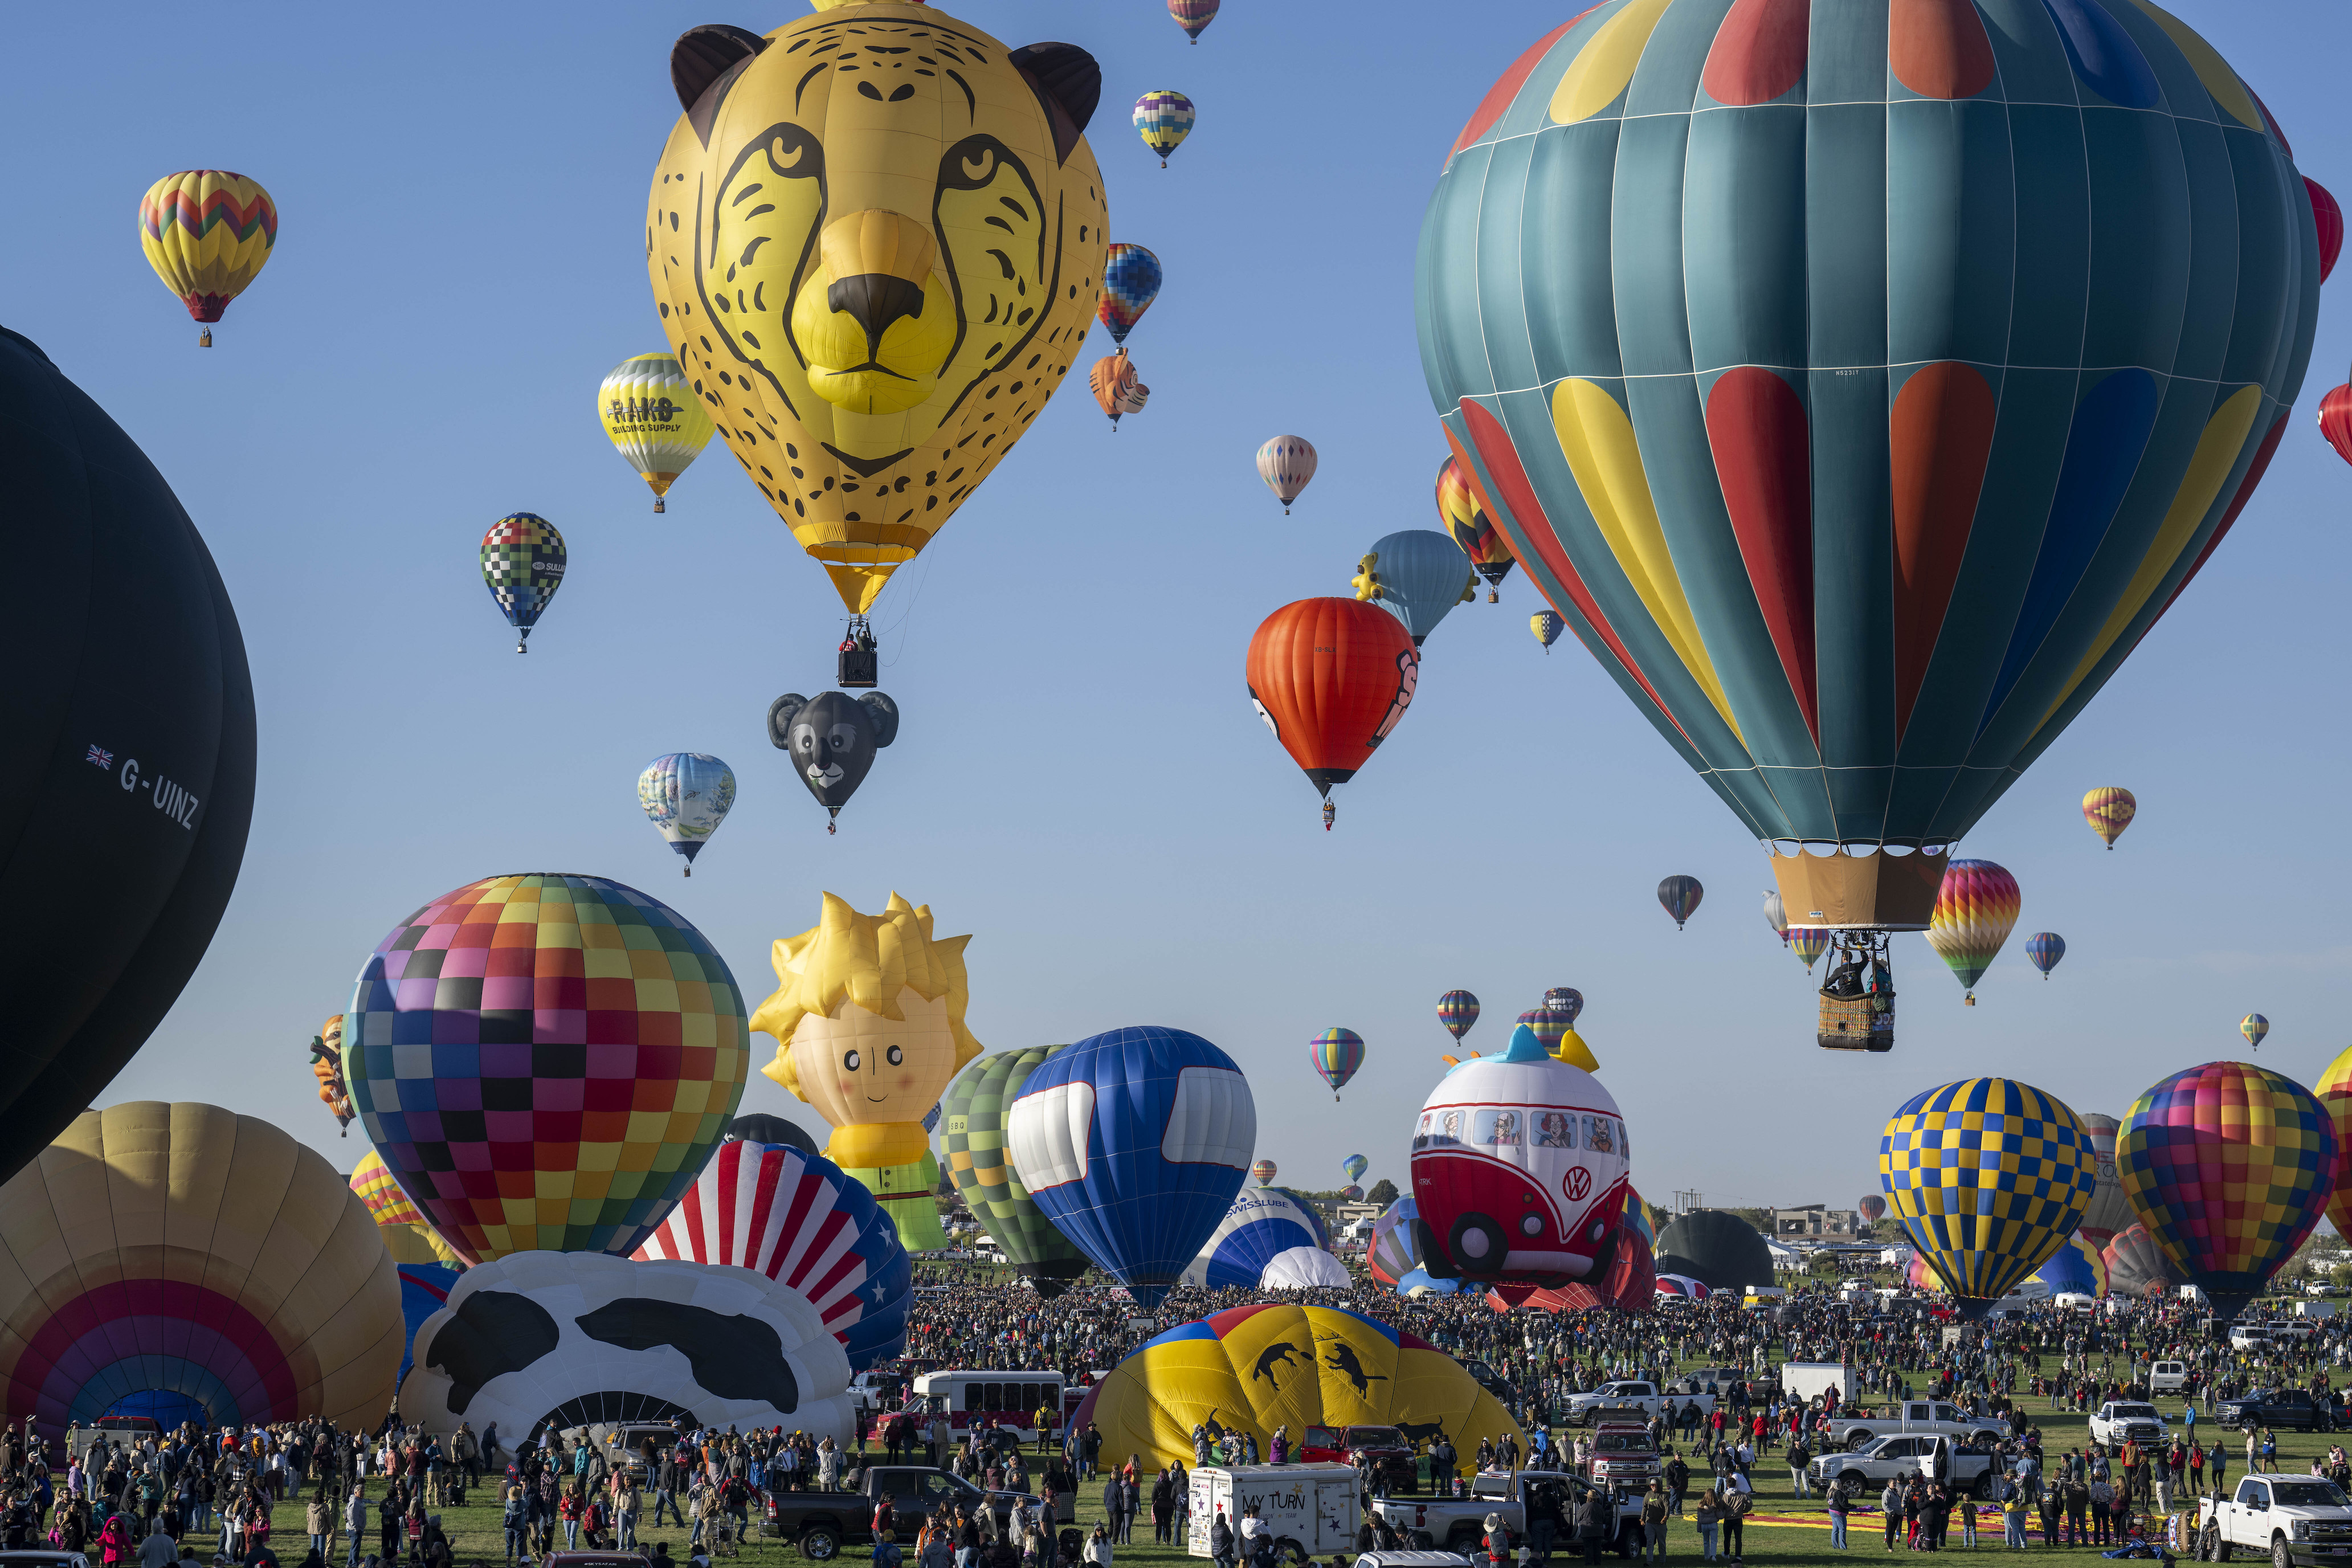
pixel 975 1105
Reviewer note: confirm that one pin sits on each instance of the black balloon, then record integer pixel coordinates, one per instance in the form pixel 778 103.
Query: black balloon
pixel 761 1128
pixel 127 716
pixel 832 738
pixel 1721 1250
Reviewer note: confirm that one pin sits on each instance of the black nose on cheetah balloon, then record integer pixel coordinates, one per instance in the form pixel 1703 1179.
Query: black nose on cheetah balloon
pixel 873 301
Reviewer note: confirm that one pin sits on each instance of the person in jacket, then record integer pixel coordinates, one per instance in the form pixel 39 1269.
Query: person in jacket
pixel 1098 1548
pixel 1654 1523
pixel 1840 1504
pixel 1163 1509
pixel 1220 1541
pixel 114 1541
pixel 1708 1516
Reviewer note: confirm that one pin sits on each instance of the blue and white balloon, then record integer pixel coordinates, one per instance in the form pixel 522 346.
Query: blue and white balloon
pixel 687 794
pixel 1263 1224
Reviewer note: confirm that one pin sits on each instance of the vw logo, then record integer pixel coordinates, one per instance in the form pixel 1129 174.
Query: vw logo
pixel 1577 1183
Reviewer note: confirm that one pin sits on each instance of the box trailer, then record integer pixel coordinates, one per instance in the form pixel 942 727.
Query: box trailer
pixel 1315 1508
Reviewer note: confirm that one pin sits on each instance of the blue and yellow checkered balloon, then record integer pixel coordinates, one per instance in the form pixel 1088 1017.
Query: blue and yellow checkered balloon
pixel 1990 1176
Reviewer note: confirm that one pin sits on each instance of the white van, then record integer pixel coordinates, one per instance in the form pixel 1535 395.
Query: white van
pixel 2168 1377
pixel 2074 1301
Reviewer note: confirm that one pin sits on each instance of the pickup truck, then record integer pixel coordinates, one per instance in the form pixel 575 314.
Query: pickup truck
pixel 1623 1455
pixel 2297 1521
pixel 821 1524
pixel 1882 1460
pixel 2296 1407
pixel 1630 1398
pixel 1380 1451
pixel 1453 1524
pixel 1923 1418
pixel 2118 1419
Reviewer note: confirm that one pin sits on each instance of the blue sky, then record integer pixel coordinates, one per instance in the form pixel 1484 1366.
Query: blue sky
pixel 1080 781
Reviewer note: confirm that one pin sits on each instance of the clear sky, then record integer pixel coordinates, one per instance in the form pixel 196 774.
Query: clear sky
pixel 1080 780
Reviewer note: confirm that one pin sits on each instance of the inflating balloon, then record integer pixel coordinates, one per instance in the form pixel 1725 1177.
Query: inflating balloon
pixel 1194 15
pixel 1546 627
pixel 2109 810
pixel 1263 1224
pixel 2110 1211
pixel 876 270
pixel 1679 897
pixel 687 794
pixel 832 740
pixel 1134 1142
pixel 521 1004
pixel 1721 1249
pixel 1263 1172
pixel 2046 948
pixel 207 233
pixel 1393 1250
pixel 981 1169
pixel 2229 1167
pixel 867 1014
pixel 1808 942
pixel 327 1067
pixel 129 750
pixel 1566 999
pixel 1976 909
pixel 1130 282
pixel 1457 1010
pixel 1331 677
pixel 2253 1025
pixel 1630 1285
pixel 133 1258
pixel 424 1290
pixel 1465 516
pixel 2078 1267
pixel 1417 576
pixel 523 557
pixel 1683 1287
pixel 2137 1267
pixel 653 419
pixel 2328 219
pixel 1335 1054
pixel 1286 463
pixel 1163 120
pixel 1786 354
pixel 1988 1176
pixel 1354 1166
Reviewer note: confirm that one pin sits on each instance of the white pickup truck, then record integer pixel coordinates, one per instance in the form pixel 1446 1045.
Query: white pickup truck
pixel 2127 1418
pixel 1630 1398
pixel 1882 1460
pixel 1919 1418
pixel 1453 1524
pixel 2297 1520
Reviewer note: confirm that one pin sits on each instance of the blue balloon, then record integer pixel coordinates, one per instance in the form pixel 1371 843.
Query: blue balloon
pixel 1262 1223
pixel 1134 1143
pixel 1419 1279
pixel 2068 1270
pixel 424 1290
pixel 1419 575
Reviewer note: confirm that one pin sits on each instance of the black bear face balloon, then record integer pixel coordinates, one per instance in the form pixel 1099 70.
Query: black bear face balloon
pixel 832 738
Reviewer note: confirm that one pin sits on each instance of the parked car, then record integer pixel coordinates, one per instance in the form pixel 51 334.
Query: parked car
pixel 2120 1419
pixel 1882 1460
pixel 1920 1418
pixel 1623 1456
pixel 2168 1377
pixel 2296 1407
pixel 2295 1520
pixel 1632 1396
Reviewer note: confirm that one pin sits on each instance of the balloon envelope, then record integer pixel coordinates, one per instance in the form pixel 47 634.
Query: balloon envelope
pixel 2077 1267
pixel 2137 1267
pixel 2046 948
pixel 761 1126
pixel 1872 1207
pixel 1305 1269
pixel 1286 463
pixel 1335 1054
pixel 1990 1176
pixel 1163 119
pixel 1975 911
pixel 1393 1252
pixel 1457 1010
pixel 2110 1211
pixel 687 794
pixel 1546 627
pixel 653 419
pixel 2109 810
pixel 1721 1249
pixel 207 233
pixel 1355 1165
pixel 1130 282
pixel 1263 1171
pixel 2253 1025
pixel 1464 515
pixel 1808 942
pixel 2334 1091
pixel 981 1169
pixel 1261 1224
pixel 1194 15
pixel 1565 999
pixel 1679 896
pixel 1331 677
pixel 523 560
pixel 1418 576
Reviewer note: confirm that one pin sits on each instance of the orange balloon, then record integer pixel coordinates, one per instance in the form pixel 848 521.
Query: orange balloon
pixel 1331 677
pixel 1113 381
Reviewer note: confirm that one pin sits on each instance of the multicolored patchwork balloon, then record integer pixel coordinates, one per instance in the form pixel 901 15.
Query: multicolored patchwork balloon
pixel 976 1104
pixel 1163 119
pixel 1287 464
pixel 523 559
pixel 1457 1010
pixel 207 233
pixel 1976 909
pixel 1393 1252
pixel 2046 948
pixel 1335 1054
pixel 1466 517
pixel 2137 1267
pixel 1130 282
pixel 2334 1091
pixel 1567 999
pixel 2230 1166
pixel 1263 1172
pixel 1809 943
pixel 545 1062
pixel 1548 1025
pixel 1194 15
pixel 1355 1165
pixel 2109 810
pixel 2253 1025
pixel 1990 1176
pixel 687 794
pixel 653 419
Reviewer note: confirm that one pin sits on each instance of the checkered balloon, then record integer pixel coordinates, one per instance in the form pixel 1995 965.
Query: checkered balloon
pixel 1990 1176
pixel 523 559
pixel 545 1062
pixel 2229 1166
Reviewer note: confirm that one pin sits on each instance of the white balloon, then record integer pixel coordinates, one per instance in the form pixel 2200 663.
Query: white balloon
pixel 1306 1268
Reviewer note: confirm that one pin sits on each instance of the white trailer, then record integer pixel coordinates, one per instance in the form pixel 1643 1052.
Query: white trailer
pixel 1809 1380
pixel 1313 1506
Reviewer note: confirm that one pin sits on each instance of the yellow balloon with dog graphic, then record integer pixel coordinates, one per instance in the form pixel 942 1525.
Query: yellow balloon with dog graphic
pixel 876 240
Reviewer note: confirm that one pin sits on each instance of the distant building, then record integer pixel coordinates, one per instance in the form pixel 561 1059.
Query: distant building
pixel 1813 1219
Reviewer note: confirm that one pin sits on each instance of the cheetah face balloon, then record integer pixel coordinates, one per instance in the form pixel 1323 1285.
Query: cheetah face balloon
pixel 877 240
pixel 832 740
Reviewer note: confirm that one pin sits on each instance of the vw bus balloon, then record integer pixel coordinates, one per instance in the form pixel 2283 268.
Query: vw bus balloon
pixel 1519 1170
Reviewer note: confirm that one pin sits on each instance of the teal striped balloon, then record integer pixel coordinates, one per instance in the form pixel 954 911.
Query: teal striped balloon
pixel 1337 1053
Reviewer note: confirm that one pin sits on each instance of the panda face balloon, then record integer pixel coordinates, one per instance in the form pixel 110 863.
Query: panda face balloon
pixel 1519 1170
pixel 832 738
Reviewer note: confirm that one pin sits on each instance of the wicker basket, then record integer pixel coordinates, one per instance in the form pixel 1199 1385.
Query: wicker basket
pixel 1858 1023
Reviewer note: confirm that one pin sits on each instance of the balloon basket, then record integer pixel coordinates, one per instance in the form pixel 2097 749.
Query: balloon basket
pixel 1864 1019
pixel 1856 1024
pixel 860 665
pixel 657 504
pixel 204 341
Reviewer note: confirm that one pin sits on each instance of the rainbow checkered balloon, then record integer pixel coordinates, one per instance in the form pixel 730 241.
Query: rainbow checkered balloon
pixel 1990 1176
pixel 2229 1166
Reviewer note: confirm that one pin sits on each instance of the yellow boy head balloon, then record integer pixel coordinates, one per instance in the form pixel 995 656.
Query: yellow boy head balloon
pixel 877 240
pixel 869 1019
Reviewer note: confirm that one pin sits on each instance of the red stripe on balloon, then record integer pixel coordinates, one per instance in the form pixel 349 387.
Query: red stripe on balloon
pixel 1939 438
pixel 2329 217
pixel 1517 496
pixel 2342 398
pixel 1755 429
pixel 1937 49
pixel 1498 96
pixel 1759 53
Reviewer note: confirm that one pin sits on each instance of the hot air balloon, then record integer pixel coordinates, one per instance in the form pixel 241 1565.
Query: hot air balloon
pixel 833 739
pixel 2109 811
pixel 123 646
pixel 1809 943
pixel 1194 15
pixel 800 1220
pixel 2336 420
pixel 1262 1225
pixel 1638 1216
pixel 1418 576
pixel 207 233
pixel 327 1068
pixel 1776 914
pixel 2110 1210
pixel 1546 627
pixel 1331 677
pixel 1548 1024
pixel 687 794
pixel 1163 119
pixel 2046 948
pixel 1130 282
pixel 1355 1165
pixel 976 1104
pixel 1115 387
pixel 1629 1285
pixel 653 419
pixel 1720 1249
pixel 523 559
pixel 2253 1025
pixel 2077 1267
pixel 1264 1173
pixel 1464 516
pixel 1988 1176
pixel 1919 1277
pixel 406 1235
pixel 545 997
pixel 1567 999
pixel 1393 1252
pixel 1872 1207
pixel 1857 413
pixel 915 276
pixel 2137 1267
pixel 1336 1055
pixel 1353 1192
pixel 1287 464
pixel 2193 1148
pixel 1457 1010
pixel 2327 220
pixel 1134 1142
pixel 184 1249
pixel 1976 909
pixel 1679 897
pixel 2334 1092
pixel 764 1127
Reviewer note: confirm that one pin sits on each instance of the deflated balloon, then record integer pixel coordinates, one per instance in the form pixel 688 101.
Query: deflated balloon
pixel 653 419
pixel 207 233
pixel 687 794
pixel 979 1164
pixel 1988 1176
pixel 1417 575
pixel 832 740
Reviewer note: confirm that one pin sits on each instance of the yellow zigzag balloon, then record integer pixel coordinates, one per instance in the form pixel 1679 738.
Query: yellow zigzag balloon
pixel 877 240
